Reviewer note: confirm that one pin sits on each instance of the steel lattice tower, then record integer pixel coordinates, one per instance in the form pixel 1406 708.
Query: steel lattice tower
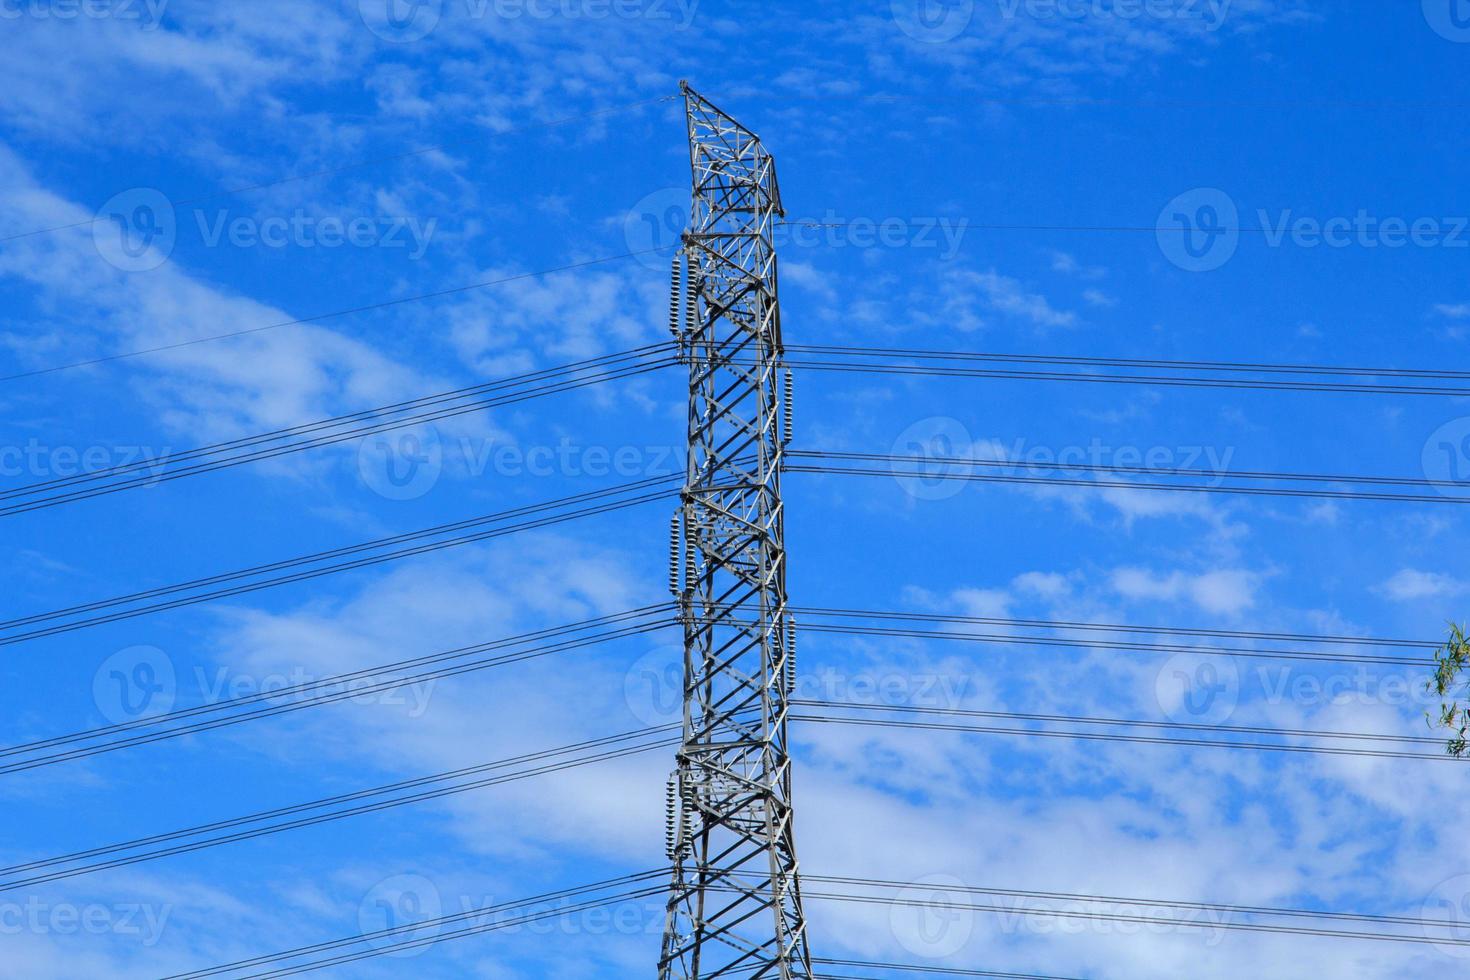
pixel 735 905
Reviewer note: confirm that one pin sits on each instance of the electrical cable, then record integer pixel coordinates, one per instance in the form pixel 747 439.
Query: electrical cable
pixel 1113 627
pixel 155 477
pixel 1128 485
pixel 1081 644
pixel 1256 367
pixel 1159 380
pixel 318 317
pixel 937 971
pixel 1133 470
pixel 418 925
pixel 1155 920
pixel 1261 910
pixel 344 566
pixel 182 713
pixel 1113 737
pixel 331 697
pixel 108 851
pixel 1122 722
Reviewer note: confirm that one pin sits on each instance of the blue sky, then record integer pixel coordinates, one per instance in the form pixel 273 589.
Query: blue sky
pixel 994 113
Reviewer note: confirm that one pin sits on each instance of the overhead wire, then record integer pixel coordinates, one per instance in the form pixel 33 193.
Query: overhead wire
pixel 555 381
pixel 418 925
pixel 1117 737
pixel 1233 909
pixel 1124 484
pixel 418 549
pixel 934 970
pixel 1221 474
pixel 475 930
pixel 934 902
pixel 1332 638
pixel 1252 367
pixel 341 688
pixel 1120 722
pixel 1008 639
pixel 333 314
pixel 867 367
pixel 600 748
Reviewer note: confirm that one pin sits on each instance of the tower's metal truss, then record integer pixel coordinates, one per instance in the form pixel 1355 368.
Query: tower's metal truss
pixel 735 904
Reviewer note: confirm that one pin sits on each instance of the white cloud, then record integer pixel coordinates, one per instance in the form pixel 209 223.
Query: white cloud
pixel 257 381
pixel 566 316
pixel 1046 585
pixel 1067 264
pixel 966 295
pixel 1408 584
pixel 1224 592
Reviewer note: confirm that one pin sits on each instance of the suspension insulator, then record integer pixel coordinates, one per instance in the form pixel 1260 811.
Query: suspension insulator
pixel 686 846
pixel 790 656
pixel 674 554
pixel 691 569
pixel 691 302
pixel 788 409
pixel 676 292
pixel 672 842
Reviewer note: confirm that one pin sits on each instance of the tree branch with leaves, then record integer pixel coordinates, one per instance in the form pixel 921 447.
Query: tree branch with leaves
pixel 1451 661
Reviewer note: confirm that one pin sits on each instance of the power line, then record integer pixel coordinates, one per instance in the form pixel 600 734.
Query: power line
pixel 1128 485
pixel 934 902
pixel 384 304
pixel 938 971
pixel 1126 722
pixel 330 696
pixel 1251 367
pixel 1114 737
pixel 973 98
pixel 1077 643
pixel 1259 910
pixel 149 480
pixel 359 164
pixel 1140 470
pixel 419 549
pixel 151 720
pixel 459 934
pixel 600 753
pixel 420 924
pixel 1115 627
pixel 431 923
pixel 1159 380
pixel 553 380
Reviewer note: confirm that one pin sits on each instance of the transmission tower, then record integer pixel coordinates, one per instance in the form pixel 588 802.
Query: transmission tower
pixel 735 904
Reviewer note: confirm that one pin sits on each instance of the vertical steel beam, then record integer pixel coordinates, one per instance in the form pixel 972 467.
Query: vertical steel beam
pixel 735 904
